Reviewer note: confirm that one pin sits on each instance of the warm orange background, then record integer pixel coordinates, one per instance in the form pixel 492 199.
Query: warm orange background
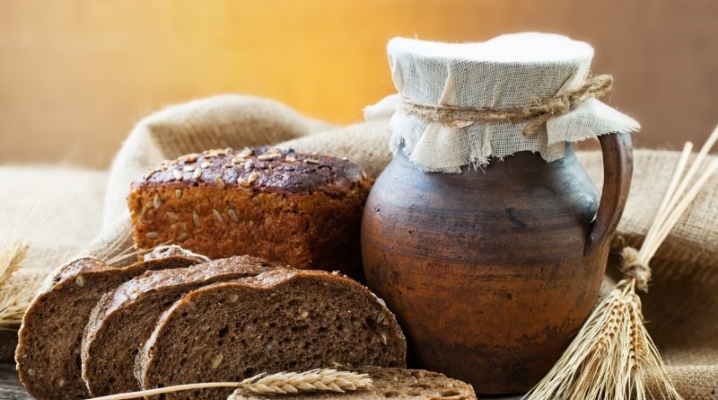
pixel 76 74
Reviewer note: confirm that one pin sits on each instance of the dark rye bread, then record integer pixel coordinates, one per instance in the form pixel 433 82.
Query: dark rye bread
pixel 389 383
pixel 48 351
pixel 124 319
pixel 282 320
pixel 296 209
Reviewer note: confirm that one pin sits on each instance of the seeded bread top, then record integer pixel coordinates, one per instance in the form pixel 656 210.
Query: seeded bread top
pixel 259 168
pixel 74 270
pixel 173 250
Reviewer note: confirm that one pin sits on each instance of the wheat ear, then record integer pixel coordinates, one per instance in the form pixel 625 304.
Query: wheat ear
pixel 10 260
pixel 316 380
pixel 612 356
pixel 12 301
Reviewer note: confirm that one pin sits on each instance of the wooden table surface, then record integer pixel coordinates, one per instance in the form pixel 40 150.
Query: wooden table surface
pixel 11 388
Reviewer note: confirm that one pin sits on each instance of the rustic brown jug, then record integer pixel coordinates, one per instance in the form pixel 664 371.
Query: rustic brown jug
pixel 492 270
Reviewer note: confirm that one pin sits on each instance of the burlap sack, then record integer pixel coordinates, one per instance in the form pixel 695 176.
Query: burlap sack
pixel 681 308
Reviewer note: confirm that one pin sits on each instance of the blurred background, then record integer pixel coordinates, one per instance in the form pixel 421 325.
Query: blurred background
pixel 75 75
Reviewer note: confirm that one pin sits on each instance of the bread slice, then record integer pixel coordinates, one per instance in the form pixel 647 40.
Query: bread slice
pixel 125 318
pixel 389 383
pixel 277 321
pixel 48 351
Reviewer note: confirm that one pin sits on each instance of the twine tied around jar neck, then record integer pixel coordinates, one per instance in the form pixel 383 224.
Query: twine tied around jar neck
pixel 536 114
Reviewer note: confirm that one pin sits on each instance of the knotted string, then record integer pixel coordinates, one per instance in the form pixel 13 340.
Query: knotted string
pixel 536 114
pixel 632 267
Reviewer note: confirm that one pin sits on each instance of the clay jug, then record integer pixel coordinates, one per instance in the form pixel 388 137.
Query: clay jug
pixel 491 271
pixel 484 234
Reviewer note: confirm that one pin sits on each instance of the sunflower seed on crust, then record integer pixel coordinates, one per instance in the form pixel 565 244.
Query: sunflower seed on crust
pixel 217 215
pixel 195 219
pixel 268 156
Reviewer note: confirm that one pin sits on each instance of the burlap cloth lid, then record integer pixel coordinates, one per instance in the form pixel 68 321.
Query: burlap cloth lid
pixel 507 71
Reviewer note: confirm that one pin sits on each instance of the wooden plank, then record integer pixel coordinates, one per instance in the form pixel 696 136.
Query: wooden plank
pixel 10 386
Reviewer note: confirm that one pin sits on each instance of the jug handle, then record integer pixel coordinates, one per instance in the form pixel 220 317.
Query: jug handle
pixel 617 173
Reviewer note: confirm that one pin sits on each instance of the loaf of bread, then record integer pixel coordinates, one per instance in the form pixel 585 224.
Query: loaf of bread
pixel 280 320
pixel 389 383
pixel 124 318
pixel 48 351
pixel 296 209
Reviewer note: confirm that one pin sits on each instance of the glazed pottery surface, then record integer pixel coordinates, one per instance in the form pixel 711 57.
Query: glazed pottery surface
pixel 491 271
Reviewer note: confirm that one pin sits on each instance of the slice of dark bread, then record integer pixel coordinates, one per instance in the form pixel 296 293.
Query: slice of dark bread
pixel 279 320
pixel 48 351
pixel 389 383
pixel 124 319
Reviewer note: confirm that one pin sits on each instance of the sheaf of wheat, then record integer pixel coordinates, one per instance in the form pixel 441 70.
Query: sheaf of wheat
pixel 613 356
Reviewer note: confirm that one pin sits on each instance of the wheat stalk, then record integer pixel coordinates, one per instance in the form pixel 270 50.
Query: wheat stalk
pixel 115 254
pixel 612 356
pixel 316 380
